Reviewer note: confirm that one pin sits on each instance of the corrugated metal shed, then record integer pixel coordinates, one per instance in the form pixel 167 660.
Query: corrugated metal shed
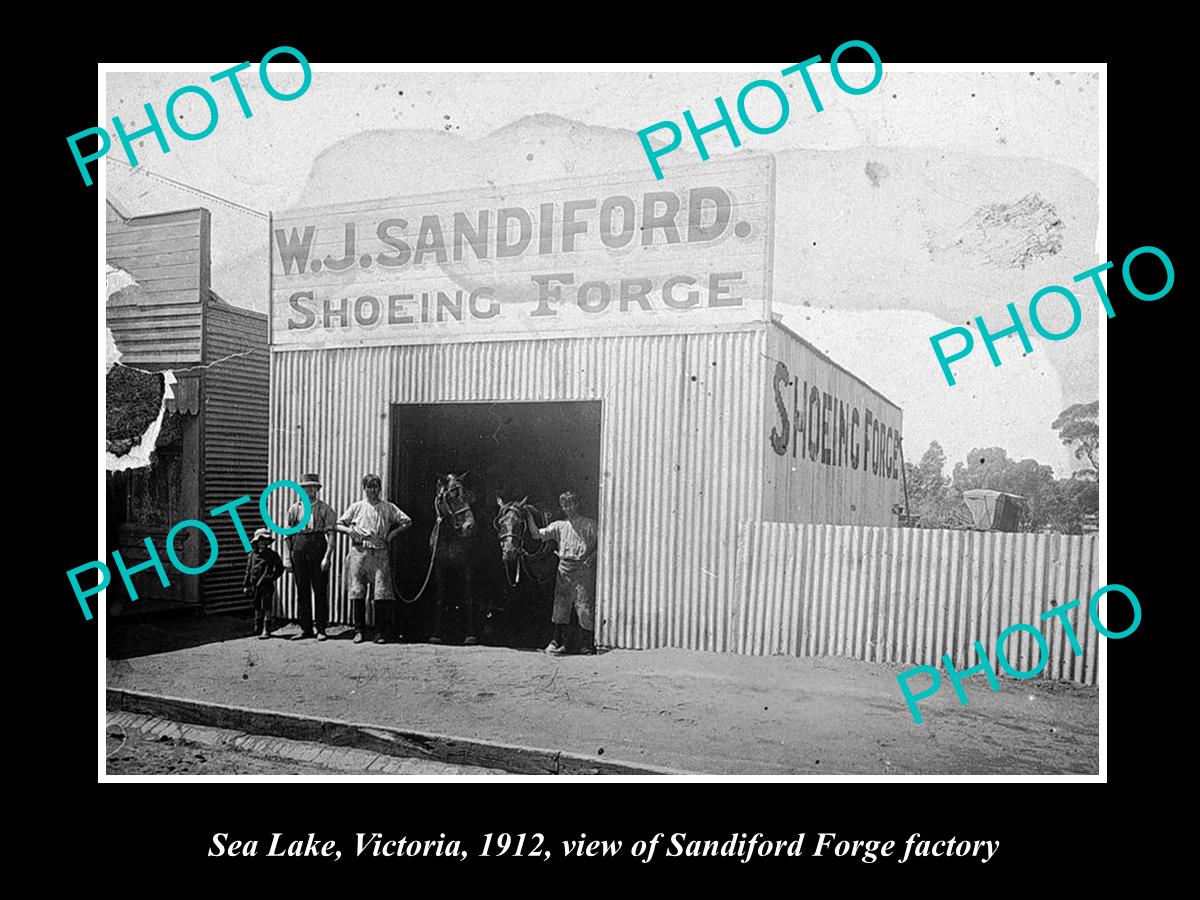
pixel 158 322
pixel 680 458
pixel 235 435
pixel 671 333
pixel 684 441
pixel 169 318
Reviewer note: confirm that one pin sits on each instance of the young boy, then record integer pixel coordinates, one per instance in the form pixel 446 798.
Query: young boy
pixel 263 568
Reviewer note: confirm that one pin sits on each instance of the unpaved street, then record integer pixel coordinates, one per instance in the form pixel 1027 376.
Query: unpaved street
pixel 134 753
pixel 705 712
pixel 146 745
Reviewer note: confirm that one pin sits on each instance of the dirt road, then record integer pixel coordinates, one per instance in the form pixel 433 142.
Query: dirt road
pixel 145 745
pixel 134 753
pixel 704 712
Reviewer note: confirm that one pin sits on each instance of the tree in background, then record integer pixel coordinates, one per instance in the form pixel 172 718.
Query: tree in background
pixel 929 493
pixel 1066 505
pixel 1079 426
pixel 1073 504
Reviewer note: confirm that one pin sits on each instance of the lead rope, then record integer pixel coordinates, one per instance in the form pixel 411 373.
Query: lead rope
pixel 437 525
pixel 522 553
pixel 512 582
pixel 432 558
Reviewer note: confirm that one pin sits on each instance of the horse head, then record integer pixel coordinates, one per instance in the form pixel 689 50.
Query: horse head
pixel 510 525
pixel 453 503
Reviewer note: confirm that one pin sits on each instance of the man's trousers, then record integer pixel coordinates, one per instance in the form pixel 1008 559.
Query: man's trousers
pixel 308 549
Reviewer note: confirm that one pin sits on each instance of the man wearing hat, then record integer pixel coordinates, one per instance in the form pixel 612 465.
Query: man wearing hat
pixel 307 554
pixel 263 568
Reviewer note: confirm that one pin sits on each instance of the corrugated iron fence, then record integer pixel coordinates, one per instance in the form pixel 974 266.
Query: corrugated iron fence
pixel 909 595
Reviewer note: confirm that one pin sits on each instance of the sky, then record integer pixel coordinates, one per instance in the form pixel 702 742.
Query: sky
pixel 899 213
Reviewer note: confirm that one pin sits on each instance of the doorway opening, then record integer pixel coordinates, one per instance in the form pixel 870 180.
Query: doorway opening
pixel 507 451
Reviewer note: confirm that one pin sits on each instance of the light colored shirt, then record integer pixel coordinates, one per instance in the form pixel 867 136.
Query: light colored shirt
pixel 576 537
pixel 323 517
pixel 373 522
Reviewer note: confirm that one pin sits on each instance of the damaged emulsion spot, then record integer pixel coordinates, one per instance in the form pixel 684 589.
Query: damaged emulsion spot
pixel 1008 235
pixel 135 413
pixel 135 401
pixel 876 172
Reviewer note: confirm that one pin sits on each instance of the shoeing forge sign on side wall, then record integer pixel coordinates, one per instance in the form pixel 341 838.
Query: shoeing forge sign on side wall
pixel 838 431
pixel 610 254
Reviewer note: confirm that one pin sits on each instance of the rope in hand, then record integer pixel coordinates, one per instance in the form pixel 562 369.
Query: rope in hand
pixel 437 525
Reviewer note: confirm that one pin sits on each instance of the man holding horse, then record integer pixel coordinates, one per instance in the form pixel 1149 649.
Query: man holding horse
pixel 575 587
pixel 371 523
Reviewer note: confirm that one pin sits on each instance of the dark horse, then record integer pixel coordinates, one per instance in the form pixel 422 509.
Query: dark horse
pixel 524 611
pixel 453 544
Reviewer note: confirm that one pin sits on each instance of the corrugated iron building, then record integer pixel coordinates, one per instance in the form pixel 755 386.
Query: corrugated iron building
pixel 216 448
pixel 681 416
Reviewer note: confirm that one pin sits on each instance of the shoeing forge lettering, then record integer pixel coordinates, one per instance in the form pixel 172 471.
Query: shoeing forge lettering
pixel 548 291
pixel 824 428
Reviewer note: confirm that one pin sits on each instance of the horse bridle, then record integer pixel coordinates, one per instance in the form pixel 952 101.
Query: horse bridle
pixel 452 492
pixel 516 509
pixel 440 503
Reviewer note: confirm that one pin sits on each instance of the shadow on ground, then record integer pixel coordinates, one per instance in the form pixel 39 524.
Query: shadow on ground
pixel 130 637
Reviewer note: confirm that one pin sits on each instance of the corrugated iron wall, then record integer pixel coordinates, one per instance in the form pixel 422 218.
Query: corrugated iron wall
pixel 680 461
pixel 235 410
pixel 846 473
pixel 908 595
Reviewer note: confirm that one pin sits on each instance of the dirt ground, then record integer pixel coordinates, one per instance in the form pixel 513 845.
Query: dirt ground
pixel 703 712
pixel 133 753
pixel 147 745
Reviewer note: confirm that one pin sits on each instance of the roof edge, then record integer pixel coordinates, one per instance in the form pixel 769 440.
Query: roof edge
pixel 786 330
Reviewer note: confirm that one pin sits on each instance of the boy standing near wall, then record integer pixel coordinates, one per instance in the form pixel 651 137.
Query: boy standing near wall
pixel 263 568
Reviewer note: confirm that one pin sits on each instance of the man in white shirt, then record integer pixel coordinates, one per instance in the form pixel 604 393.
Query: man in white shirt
pixel 371 524
pixel 575 588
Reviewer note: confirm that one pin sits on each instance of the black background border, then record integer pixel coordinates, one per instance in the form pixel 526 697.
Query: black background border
pixel 1036 822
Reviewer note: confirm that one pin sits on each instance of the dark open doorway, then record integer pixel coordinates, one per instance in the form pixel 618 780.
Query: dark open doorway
pixel 508 450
